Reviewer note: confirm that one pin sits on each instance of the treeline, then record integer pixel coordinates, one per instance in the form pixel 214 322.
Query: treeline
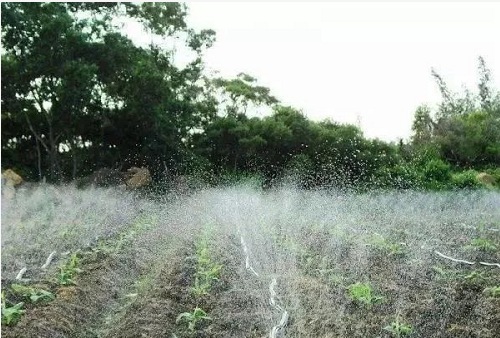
pixel 78 95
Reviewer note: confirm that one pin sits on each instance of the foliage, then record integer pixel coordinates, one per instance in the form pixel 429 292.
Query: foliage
pixel 77 91
pixel 399 329
pixel 68 271
pixel 465 179
pixel 11 313
pixel 193 318
pixel 32 294
pixel 363 293
pixel 79 95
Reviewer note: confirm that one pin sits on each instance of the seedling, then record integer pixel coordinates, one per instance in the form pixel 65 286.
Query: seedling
pixel 474 278
pixel 363 293
pixel 34 295
pixel 381 243
pixel 494 291
pixel 207 271
pixel 68 271
pixel 399 329
pixel 193 318
pixel 445 273
pixel 11 314
pixel 482 244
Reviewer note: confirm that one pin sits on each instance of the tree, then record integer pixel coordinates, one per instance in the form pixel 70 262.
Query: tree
pixel 422 126
pixel 80 91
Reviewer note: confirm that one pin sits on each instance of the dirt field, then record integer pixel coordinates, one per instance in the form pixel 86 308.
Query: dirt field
pixel 243 263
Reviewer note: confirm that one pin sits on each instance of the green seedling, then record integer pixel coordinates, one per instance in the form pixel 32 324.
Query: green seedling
pixel 363 293
pixel 474 278
pixel 207 271
pixel 444 273
pixel 11 313
pixel 68 271
pixel 399 329
pixel 193 318
pixel 34 295
pixel 482 244
pixel 493 291
pixel 381 243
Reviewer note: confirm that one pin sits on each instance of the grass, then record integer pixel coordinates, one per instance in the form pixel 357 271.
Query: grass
pixel 11 314
pixel 363 293
pixel 193 318
pixel 32 294
pixel 68 271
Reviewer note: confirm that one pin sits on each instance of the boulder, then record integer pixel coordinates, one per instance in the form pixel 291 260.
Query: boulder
pixel 10 177
pixel 485 178
pixel 137 177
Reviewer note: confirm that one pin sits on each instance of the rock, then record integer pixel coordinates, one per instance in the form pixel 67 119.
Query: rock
pixel 11 178
pixel 485 178
pixel 137 177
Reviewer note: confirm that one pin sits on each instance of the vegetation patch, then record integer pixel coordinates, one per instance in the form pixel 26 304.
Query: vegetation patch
pixel 11 313
pixel 192 319
pixel 362 293
pixel 399 329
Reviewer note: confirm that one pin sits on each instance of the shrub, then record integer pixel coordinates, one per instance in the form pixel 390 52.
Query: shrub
pixel 465 179
pixel 437 170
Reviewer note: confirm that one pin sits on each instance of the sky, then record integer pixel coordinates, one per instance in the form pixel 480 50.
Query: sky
pixel 362 63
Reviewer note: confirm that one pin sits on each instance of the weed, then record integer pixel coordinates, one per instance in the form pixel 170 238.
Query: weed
pixel 11 314
pixel 399 329
pixel 363 293
pixel 482 244
pixel 193 318
pixel 68 271
pixel 32 294
pixel 493 291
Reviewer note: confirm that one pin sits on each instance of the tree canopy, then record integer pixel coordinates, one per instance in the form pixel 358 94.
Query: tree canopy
pixel 79 95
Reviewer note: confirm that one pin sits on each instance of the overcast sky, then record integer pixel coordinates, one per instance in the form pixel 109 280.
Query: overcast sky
pixel 355 62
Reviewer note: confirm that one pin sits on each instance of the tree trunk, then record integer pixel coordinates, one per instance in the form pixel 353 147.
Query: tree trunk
pixel 74 158
pixel 53 154
pixel 39 156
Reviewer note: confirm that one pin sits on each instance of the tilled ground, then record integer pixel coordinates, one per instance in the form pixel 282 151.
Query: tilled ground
pixel 137 284
pixel 76 309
